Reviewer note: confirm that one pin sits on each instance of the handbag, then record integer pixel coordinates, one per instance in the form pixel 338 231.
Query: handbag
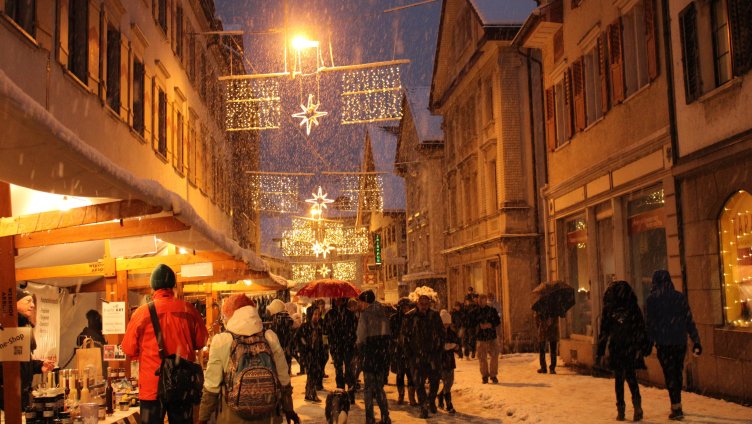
pixel 89 356
pixel 180 380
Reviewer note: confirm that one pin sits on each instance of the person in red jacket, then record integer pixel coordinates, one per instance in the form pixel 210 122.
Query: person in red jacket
pixel 183 332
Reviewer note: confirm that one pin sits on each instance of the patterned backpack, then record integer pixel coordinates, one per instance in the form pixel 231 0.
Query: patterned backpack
pixel 253 390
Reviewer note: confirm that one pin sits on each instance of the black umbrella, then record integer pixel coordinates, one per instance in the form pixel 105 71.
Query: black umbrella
pixel 553 298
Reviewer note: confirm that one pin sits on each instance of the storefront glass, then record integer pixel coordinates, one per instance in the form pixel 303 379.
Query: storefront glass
pixel 736 253
pixel 647 239
pixel 577 275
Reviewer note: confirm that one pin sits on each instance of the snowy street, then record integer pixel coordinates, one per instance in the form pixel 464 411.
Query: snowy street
pixel 522 395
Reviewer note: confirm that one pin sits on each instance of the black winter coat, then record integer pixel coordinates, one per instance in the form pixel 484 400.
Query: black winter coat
pixel 487 315
pixel 374 338
pixel 340 325
pixel 669 318
pixel 309 341
pixel 398 358
pixel 470 317
pixel 622 328
pixel 282 327
pixel 422 338
pixel 447 357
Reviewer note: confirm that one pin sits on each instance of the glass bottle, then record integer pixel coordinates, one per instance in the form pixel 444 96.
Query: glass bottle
pixel 108 398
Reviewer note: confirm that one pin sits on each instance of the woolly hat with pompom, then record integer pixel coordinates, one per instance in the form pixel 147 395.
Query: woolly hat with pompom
pixel 235 302
pixel 446 317
pixel 275 307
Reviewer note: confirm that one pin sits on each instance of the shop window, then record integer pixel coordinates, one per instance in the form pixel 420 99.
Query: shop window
pixel 22 13
pixel 138 96
pixel 736 253
pixel 113 68
pixel 78 38
pixel 576 268
pixel 647 239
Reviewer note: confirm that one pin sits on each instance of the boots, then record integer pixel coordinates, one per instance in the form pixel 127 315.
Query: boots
pixel 411 396
pixel 620 407
pixel 449 406
pixel 432 406
pixel 676 412
pixel 441 400
pixel 423 411
pixel 400 395
pixel 637 403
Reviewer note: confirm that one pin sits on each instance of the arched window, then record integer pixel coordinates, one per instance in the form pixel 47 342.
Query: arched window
pixel 736 254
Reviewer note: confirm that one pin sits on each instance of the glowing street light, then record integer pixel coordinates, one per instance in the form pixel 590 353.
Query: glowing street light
pixel 300 43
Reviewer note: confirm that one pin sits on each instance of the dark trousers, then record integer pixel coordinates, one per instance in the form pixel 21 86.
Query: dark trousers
pixel 420 375
pixel 374 389
pixel 324 359
pixel 672 361
pixel 153 412
pixel 314 374
pixel 343 367
pixel 628 375
pixel 402 372
pixel 469 339
pixel 542 353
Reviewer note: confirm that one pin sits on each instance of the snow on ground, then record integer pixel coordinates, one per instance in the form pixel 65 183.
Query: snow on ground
pixel 524 396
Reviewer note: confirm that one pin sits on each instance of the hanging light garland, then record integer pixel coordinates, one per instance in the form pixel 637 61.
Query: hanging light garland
pixel 275 192
pixel 371 94
pixel 363 190
pixel 340 270
pixel 252 103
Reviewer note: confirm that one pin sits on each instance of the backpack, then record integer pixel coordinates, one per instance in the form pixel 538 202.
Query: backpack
pixel 253 390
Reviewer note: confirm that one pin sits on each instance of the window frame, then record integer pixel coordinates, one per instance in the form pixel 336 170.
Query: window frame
pixel 715 29
pixel 113 62
pixel 161 119
pixel 17 9
pixel 634 46
pixel 78 54
pixel 593 95
pixel 138 109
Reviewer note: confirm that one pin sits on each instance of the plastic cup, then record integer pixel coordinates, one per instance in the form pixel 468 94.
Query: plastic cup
pixel 89 413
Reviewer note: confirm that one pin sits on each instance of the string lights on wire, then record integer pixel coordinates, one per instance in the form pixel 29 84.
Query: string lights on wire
pixel 275 192
pixel 340 270
pixel 371 94
pixel 252 103
pixel 736 252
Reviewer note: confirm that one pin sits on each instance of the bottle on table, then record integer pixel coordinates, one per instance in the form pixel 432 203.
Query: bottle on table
pixel 108 393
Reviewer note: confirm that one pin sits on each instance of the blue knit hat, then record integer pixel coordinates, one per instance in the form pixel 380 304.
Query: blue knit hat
pixel 163 277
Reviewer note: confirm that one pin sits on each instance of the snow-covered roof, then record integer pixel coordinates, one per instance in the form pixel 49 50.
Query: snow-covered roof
pixel 503 12
pixel 427 125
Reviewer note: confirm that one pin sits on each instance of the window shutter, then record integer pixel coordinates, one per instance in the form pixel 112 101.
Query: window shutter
pixel 550 119
pixel 578 86
pixel 616 61
pixel 603 71
pixel 690 56
pixel 740 21
pixel 650 38
pixel 569 103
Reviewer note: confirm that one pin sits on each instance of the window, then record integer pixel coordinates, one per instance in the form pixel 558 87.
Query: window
pixel 22 13
pixel 736 255
pixel 179 140
pixel 162 14
pixel 635 50
pixel 593 92
pixel 577 275
pixel 179 32
pixel 138 96
pixel 113 68
pixel 191 148
pixel 493 188
pixel 162 123
pixel 463 32
pixel 690 53
pixel 191 58
pixel 78 38
pixel 488 101
pixel 563 112
pixel 647 239
pixel 721 42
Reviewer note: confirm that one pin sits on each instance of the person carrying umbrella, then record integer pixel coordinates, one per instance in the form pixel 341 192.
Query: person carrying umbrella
pixel 552 300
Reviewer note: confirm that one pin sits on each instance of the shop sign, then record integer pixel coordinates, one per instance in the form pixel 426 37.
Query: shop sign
pixel 377 248
pixel 15 344
pixel 113 318
pixel 647 221
pixel 576 237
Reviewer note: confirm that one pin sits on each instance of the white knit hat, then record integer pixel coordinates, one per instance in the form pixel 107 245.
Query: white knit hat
pixel 275 307
pixel 446 317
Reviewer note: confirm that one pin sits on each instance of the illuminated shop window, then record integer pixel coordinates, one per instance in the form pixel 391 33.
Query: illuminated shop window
pixel 576 264
pixel 736 254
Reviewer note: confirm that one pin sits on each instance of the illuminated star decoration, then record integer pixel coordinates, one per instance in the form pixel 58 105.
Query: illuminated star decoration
pixel 324 271
pixel 310 114
pixel 319 200
pixel 322 248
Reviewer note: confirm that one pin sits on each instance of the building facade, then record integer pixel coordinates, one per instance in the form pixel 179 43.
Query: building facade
pixel 711 58
pixel 481 86
pixel 420 152
pixel 134 83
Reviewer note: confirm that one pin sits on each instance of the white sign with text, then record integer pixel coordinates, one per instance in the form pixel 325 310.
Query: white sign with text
pixel 113 318
pixel 15 343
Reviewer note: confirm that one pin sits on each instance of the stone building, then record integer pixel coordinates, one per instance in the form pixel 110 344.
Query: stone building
pixel 482 88
pixel 711 60
pixel 610 197
pixel 420 151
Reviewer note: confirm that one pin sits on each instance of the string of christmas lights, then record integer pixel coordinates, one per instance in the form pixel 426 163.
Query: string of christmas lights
pixel 340 270
pixel 275 192
pixel 371 94
pixel 252 104
pixel 736 242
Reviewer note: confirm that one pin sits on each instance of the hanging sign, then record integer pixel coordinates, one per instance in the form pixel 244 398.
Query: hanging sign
pixel 15 344
pixel 377 248
pixel 113 318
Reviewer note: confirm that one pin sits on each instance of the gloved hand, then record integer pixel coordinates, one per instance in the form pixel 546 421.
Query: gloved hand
pixel 697 349
pixel 287 407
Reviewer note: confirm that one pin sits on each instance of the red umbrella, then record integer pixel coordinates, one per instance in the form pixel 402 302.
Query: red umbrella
pixel 328 287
